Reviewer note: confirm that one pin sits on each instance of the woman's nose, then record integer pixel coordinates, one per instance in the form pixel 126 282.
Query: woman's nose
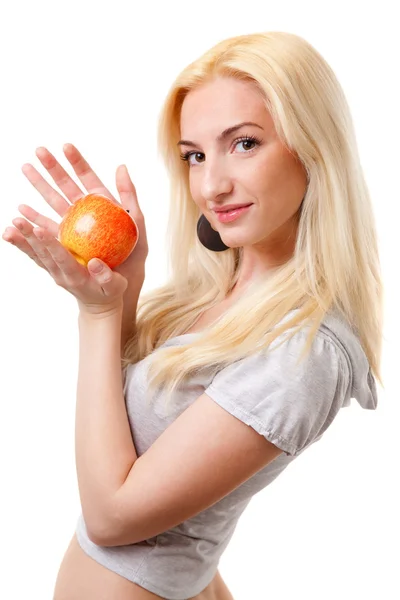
pixel 215 181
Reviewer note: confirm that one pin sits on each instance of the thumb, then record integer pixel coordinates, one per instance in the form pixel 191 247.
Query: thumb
pixel 114 284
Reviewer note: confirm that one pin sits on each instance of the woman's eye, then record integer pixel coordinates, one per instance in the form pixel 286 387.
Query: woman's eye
pixel 195 154
pixel 248 141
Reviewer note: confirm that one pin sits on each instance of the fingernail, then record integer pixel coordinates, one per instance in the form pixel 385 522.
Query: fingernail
pixel 96 266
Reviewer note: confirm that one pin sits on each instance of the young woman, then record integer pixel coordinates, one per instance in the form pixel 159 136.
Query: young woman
pixel 195 397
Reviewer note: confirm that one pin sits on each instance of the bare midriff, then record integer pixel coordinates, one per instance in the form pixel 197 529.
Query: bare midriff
pixel 80 577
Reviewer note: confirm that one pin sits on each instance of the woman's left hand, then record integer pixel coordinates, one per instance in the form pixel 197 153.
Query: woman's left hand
pixel 97 292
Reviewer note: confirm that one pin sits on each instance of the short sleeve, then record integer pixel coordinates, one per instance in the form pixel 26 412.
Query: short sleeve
pixel 290 404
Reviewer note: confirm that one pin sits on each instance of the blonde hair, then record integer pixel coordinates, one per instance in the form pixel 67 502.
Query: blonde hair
pixel 335 264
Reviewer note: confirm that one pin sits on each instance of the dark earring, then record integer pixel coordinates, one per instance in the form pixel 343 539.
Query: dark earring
pixel 209 237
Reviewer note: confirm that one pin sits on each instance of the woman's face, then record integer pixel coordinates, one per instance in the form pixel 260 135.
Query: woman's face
pixel 232 170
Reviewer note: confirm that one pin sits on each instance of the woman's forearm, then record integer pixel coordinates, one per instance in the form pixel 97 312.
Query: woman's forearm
pixel 128 322
pixel 131 298
pixel 104 448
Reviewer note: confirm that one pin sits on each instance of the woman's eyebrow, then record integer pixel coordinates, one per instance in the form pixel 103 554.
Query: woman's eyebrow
pixel 222 135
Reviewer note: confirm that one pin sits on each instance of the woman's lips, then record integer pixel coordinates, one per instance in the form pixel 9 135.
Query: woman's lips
pixel 232 215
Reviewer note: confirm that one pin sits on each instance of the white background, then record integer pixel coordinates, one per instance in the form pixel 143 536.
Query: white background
pixel 96 75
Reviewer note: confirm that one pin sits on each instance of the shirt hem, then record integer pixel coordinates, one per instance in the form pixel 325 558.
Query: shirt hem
pixel 134 576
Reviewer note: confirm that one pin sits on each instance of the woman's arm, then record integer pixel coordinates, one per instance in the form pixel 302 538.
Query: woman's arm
pixel 104 448
pixel 131 297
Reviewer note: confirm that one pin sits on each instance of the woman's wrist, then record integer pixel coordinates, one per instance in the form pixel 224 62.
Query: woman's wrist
pixel 131 298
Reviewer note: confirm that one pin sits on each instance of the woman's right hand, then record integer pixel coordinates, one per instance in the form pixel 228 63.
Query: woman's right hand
pixel 133 266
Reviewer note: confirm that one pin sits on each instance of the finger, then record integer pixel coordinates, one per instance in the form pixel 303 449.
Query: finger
pixel 50 195
pixel 40 220
pixel 84 171
pixel 127 190
pixel 113 284
pixel 60 176
pixel 41 252
pixel 66 264
pixel 14 237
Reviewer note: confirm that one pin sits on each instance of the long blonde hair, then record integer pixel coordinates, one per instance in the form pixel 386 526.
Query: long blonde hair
pixel 335 264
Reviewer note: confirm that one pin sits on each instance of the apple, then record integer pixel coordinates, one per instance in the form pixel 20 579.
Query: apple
pixel 96 227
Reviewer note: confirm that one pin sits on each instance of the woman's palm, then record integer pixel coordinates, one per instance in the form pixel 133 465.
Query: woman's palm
pixel 134 264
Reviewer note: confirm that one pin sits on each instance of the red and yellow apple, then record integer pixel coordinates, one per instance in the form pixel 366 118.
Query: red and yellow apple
pixel 96 227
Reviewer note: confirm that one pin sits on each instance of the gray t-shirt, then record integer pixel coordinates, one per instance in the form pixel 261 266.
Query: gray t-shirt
pixel 291 406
